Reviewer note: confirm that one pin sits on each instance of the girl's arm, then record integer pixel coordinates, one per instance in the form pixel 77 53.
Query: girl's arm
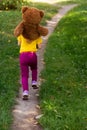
pixel 19 43
pixel 19 40
pixel 38 46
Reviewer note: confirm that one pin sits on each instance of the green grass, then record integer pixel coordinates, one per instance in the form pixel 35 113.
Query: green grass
pixel 8 69
pixel 63 94
pixel 64 2
pixel 9 63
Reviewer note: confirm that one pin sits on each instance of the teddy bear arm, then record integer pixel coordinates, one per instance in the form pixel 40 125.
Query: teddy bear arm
pixel 43 31
pixel 19 29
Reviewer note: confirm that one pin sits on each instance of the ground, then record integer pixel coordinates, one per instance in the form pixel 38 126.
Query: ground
pixel 46 1
pixel 26 112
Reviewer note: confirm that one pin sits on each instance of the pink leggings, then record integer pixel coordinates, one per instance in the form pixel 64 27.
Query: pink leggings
pixel 28 59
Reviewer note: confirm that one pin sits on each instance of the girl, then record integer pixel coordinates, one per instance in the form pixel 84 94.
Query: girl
pixel 28 58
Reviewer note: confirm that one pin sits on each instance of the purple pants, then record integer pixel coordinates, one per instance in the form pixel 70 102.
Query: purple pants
pixel 28 59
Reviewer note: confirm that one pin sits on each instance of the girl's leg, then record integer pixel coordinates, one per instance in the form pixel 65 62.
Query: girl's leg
pixel 34 71
pixel 24 71
pixel 34 74
pixel 34 67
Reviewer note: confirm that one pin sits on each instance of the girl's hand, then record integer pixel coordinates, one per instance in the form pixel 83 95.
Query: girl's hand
pixel 38 46
pixel 19 43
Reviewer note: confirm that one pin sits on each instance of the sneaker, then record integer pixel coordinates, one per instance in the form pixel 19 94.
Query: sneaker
pixel 25 95
pixel 34 85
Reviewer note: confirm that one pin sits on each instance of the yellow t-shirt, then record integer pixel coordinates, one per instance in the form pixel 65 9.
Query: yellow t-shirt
pixel 28 46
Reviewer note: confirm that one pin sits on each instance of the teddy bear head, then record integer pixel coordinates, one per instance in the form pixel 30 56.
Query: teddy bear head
pixel 30 26
pixel 32 15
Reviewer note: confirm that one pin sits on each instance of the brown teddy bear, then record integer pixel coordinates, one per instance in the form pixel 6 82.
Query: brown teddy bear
pixel 29 27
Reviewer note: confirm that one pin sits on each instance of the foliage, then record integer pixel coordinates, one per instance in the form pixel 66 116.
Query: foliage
pixel 10 4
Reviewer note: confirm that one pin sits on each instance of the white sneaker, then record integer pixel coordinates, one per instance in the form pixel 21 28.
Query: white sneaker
pixel 25 95
pixel 34 85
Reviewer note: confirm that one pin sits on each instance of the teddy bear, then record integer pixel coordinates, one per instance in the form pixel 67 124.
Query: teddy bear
pixel 30 26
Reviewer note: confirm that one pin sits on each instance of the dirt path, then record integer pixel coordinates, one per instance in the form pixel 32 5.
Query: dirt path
pixel 46 1
pixel 25 112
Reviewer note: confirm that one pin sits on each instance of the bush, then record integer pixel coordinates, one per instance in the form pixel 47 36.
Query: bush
pixel 10 4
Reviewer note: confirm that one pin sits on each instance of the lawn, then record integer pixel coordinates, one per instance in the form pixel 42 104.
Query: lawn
pixel 63 94
pixel 8 68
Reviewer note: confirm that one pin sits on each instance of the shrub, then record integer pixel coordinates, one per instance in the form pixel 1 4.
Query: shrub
pixel 10 4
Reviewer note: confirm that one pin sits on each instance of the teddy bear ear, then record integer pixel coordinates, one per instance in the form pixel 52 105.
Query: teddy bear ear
pixel 41 13
pixel 24 8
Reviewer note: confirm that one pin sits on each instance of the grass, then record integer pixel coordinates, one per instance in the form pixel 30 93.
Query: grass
pixel 8 69
pixel 64 2
pixel 63 94
pixel 9 63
